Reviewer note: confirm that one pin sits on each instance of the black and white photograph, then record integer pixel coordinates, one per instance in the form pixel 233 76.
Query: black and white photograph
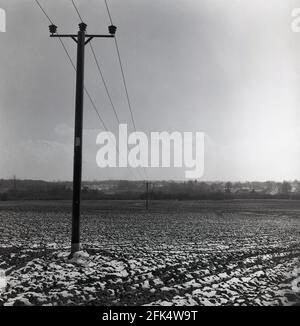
pixel 149 155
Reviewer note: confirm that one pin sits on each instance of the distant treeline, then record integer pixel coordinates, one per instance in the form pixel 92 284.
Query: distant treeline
pixel 159 190
pixel 218 196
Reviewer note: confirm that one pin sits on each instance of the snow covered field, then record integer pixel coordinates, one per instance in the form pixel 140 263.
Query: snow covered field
pixel 178 253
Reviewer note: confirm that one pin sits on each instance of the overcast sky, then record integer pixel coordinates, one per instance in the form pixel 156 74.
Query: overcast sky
pixel 228 68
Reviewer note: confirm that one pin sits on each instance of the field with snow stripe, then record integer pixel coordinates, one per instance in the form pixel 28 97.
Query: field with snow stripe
pixel 177 253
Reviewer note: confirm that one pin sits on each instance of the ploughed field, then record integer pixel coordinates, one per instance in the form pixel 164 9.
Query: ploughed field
pixel 177 253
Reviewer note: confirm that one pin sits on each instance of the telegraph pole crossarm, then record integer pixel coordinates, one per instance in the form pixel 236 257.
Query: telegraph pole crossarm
pixel 75 35
pixel 82 26
pixel 81 39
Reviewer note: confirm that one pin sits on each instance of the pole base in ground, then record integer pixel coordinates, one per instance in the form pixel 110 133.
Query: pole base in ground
pixel 75 247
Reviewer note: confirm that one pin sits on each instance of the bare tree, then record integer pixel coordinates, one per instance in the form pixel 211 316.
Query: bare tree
pixel 286 188
pixel 228 187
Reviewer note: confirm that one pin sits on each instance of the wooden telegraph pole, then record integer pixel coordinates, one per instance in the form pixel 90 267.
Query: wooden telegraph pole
pixel 82 39
pixel 147 195
pixel 15 183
